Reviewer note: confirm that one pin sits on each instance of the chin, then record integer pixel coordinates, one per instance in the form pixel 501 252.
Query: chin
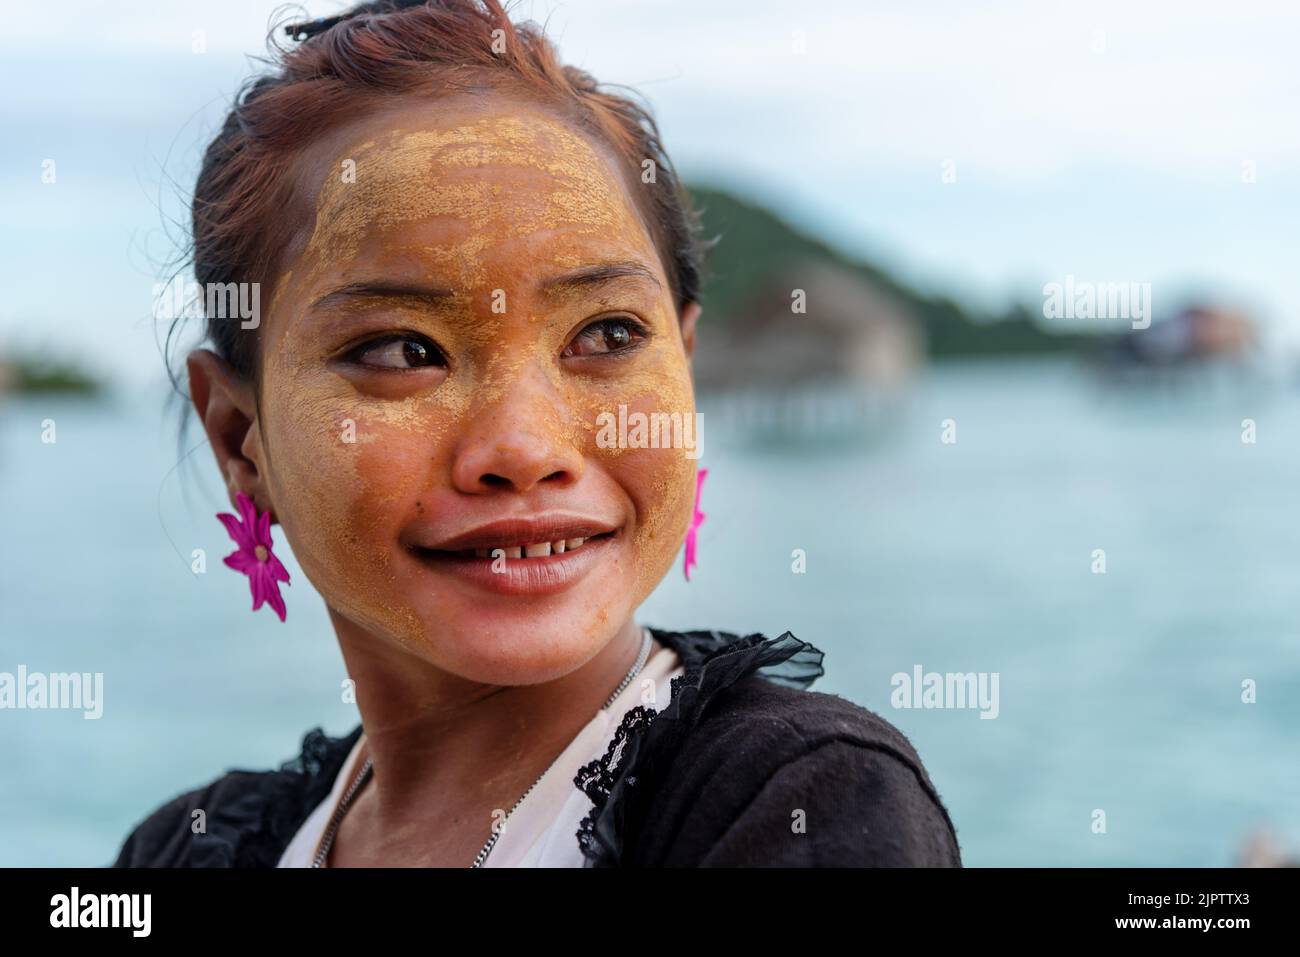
pixel 523 630
pixel 499 650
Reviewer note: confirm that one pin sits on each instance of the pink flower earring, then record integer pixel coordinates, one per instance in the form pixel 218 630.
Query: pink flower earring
pixel 697 518
pixel 254 557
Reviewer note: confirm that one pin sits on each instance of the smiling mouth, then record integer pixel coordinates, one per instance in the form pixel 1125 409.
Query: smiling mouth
pixel 522 552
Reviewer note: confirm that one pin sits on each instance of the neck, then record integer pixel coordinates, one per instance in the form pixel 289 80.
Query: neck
pixel 438 740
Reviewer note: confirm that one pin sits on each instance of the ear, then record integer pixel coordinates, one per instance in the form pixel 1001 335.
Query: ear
pixel 225 405
pixel 690 315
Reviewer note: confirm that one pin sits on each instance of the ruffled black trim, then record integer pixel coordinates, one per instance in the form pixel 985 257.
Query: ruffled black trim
pixel 645 742
pixel 255 815
pixel 253 827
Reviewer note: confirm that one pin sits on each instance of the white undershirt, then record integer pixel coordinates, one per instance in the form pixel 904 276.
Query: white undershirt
pixel 542 830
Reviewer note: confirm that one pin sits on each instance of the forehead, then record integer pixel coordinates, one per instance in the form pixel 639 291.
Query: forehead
pixel 453 183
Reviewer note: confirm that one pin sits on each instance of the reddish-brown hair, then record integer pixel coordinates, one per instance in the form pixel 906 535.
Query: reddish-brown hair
pixel 370 54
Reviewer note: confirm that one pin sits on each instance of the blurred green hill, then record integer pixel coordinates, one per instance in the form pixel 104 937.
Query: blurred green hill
pixel 755 243
pixel 30 374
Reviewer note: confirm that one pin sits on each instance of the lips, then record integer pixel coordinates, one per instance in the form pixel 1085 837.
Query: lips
pixel 531 550
pixel 520 537
pixel 533 566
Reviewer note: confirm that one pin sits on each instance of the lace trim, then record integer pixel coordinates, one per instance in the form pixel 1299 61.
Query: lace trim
pixel 597 778
pixel 263 810
pixel 641 751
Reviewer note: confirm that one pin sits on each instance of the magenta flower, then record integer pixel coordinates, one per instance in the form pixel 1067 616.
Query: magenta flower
pixel 254 557
pixel 696 519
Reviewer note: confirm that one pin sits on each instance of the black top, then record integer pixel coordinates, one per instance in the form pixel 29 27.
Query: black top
pixel 743 767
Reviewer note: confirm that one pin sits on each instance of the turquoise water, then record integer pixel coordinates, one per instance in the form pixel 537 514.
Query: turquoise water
pixel 1118 691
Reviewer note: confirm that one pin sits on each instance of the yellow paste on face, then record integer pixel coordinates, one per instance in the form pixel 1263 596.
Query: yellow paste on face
pixel 343 503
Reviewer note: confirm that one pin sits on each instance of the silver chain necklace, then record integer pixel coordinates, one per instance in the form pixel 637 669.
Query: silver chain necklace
pixel 337 818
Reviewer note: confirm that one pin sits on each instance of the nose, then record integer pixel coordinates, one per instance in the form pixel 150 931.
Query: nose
pixel 517 441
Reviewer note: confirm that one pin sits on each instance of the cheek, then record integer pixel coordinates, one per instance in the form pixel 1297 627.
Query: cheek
pixel 345 474
pixel 660 481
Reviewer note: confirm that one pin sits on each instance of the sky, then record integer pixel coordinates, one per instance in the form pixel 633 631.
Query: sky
pixel 979 151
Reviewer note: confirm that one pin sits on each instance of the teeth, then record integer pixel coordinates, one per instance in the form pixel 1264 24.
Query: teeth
pixel 538 550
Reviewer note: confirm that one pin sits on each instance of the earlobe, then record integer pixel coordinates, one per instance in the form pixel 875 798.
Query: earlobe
pixel 690 315
pixel 224 404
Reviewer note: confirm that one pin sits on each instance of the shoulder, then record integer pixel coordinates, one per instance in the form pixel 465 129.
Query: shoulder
pixel 777 775
pixel 171 834
pixel 241 818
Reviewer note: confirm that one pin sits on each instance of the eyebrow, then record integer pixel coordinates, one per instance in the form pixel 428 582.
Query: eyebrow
pixel 599 275
pixel 585 277
pixel 382 289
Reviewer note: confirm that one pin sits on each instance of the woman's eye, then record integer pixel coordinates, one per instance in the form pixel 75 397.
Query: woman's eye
pixel 404 352
pixel 605 336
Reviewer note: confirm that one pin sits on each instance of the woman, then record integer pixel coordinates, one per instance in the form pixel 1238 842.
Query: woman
pixel 475 255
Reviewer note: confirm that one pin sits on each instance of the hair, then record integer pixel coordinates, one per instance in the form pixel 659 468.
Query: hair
pixel 368 55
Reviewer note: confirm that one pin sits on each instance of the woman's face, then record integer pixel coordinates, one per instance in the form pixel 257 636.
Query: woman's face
pixel 476 290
